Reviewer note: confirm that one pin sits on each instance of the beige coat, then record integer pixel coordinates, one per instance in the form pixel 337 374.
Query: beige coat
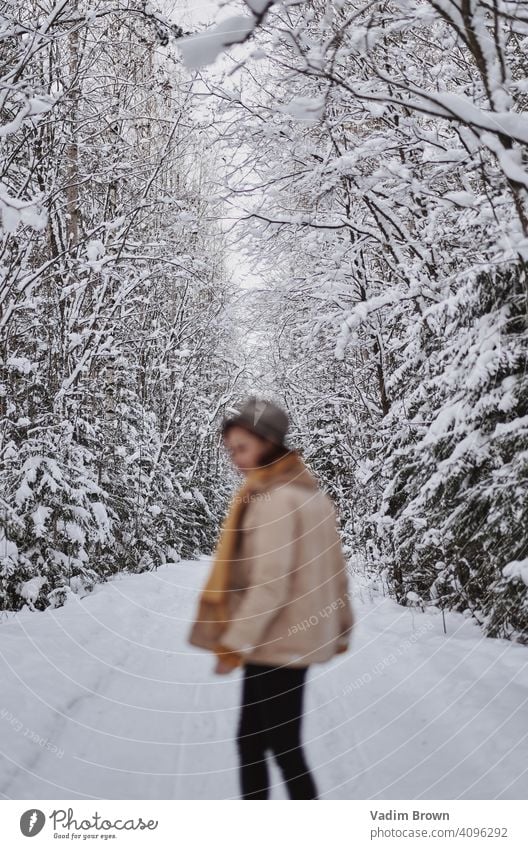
pixel 289 594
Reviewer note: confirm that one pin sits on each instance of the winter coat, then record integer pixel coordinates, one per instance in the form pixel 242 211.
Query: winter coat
pixel 288 591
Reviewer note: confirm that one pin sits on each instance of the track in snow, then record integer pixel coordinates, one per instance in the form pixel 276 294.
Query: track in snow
pixel 104 699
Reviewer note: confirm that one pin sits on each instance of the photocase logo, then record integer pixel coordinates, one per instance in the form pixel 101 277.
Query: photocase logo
pixel 32 822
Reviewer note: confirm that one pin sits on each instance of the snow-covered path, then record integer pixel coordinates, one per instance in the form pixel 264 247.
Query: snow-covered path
pixel 103 698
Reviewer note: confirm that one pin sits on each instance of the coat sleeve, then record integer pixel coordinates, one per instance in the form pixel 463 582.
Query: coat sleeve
pixel 273 544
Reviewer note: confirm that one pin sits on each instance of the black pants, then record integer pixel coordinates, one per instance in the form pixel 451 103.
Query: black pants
pixel 270 718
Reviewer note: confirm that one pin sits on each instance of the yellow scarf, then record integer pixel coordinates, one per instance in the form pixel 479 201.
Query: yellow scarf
pixel 213 599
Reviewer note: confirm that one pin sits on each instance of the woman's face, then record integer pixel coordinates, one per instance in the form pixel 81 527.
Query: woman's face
pixel 244 448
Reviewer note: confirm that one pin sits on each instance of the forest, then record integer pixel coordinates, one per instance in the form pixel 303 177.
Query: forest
pixel 320 201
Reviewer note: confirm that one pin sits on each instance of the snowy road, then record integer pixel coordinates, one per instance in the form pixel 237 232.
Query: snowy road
pixel 103 699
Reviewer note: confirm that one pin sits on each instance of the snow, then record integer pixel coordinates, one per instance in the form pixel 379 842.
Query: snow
pixel 510 160
pixel 72 531
pixel 95 249
pixel 309 109
pixel 21 364
pixel 127 709
pixel 15 211
pixel 40 104
pixel 8 551
pixel 510 123
pixel 203 48
pixel 30 589
pixel 447 415
pixel 461 198
pixel 23 493
pixel 517 569
pixel 40 517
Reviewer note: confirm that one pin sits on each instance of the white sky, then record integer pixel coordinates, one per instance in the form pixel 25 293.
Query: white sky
pixel 195 15
pixel 197 12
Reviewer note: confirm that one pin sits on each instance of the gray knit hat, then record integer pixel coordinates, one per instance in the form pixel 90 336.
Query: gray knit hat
pixel 261 417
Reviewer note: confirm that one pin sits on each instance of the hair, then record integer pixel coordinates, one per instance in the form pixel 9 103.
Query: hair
pixel 227 425
pixel 272 453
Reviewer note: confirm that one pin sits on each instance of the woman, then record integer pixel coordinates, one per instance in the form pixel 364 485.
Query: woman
pixel 276 599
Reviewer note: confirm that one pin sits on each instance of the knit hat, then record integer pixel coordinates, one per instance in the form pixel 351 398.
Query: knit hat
pixel 261 417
